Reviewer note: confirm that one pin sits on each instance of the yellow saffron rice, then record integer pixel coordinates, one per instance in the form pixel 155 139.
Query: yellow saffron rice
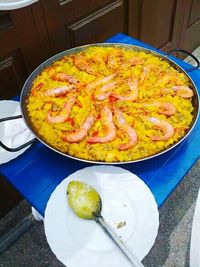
pixel 155 82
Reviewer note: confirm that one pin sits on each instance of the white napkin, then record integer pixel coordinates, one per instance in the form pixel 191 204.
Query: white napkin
pixel 15 132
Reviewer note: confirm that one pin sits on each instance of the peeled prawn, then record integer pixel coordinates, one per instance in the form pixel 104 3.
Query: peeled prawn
pixel 167 77
pixel 132 95
pixel 100 62
pixel 63 77
pixel 64 113
pixel 164 126
pixel 80 134
pixel 144 74
pixel 108 123
pixel 180 90
pixel 99 81
pixel 58 91
pixel 112 59
pixel 82 63
pixel 36 88
pixel 183 91
pixel 136 61
pixel 104 92
pixel 165 108
pixel 133 62
pixel 133 139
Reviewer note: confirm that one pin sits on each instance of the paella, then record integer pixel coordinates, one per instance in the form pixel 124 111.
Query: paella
pixel 110 104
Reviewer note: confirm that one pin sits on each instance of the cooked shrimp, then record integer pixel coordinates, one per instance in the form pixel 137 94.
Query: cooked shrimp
pixel 58 91
pixel 153 68
pixel 165 108
pixel 133 139
pixel 180 90
pixel 164 126
pixel 37 88
pixel 107 121
pixel 164 78
pixel 104 92
pixel 51 70
pixel 82 63
pixel 136 61
pixel 183 91
pixel 144 74
pixel 113 58
pixel 146 70
pixel 100 62
pixel 167 77
pixel 64 113
pixel 80 134
pixel 63 77
pixel 132 95
pixel 99 81
pixel 133 62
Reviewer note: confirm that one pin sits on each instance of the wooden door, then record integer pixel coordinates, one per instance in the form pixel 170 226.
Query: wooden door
pixel 75 22
pixel 157 22
pixel 13 70
pixel 190 35
pixel 21 47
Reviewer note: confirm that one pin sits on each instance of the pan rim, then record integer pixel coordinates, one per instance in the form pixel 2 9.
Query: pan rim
pixel 49 61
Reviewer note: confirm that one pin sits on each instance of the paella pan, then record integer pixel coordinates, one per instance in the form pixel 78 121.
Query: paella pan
pixel 110 103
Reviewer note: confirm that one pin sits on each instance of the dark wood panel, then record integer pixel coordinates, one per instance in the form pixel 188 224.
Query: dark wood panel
pixel 20 53
pixel 12 75
pixel 134 18
pixel 94 28
pixel 63 18
pixel 192 40
pixel 195 12
pixel 27 37
pixel 42 35
pixel 54 20
pixel 191 25
pixel 9 197
pixel 23 46
pixel 7 41
pixel 73 10
pixel 5 20
pixel 160 22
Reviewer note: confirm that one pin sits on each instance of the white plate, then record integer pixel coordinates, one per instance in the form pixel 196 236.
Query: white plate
pixel 15 4
pixel 125 198
pixel 12 133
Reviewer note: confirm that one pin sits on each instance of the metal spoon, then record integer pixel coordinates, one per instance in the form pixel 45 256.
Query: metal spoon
pixel 86 203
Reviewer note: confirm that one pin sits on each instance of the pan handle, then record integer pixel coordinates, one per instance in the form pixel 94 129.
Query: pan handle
pixel 16 148
pixel 187 53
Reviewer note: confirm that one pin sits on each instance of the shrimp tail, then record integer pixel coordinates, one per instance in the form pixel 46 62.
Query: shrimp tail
pixel 80 134
pixel 108 123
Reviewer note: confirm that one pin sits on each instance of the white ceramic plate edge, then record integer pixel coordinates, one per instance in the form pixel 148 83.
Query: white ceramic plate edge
pixel 152 203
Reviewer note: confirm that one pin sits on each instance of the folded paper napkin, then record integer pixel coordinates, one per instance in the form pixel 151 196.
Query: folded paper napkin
pixel 14 132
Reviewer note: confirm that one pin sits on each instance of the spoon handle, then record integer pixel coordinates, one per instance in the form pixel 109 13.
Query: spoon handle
pixel 115 238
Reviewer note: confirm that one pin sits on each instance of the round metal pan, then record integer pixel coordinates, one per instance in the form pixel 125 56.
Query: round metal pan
pixel 28 85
